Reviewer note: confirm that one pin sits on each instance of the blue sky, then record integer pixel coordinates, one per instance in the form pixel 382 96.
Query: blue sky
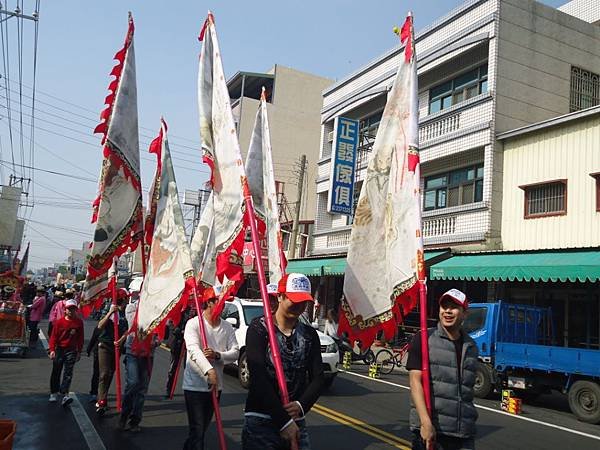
pixel 77 40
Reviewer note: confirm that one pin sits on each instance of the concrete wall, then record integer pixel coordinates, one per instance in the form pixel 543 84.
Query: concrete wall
pixel 564 152
pixel 294 120
pixel 537 46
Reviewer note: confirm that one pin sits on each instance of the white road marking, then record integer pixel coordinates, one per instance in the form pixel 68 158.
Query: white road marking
pixel 486 408
pixel 44 340
pixel 85 425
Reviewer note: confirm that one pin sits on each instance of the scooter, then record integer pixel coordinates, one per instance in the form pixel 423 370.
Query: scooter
pixel 365 355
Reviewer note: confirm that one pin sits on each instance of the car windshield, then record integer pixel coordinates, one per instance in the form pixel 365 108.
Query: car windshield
pixel 251 312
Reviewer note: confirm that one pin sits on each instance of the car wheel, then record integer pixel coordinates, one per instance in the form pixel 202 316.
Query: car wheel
pixel 243 372
pixel 483 381
pixel 584 400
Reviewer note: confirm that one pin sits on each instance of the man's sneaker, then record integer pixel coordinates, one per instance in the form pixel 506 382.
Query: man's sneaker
pixel 53 398
pixel 67 400
pixel 122 425
pixel 100 408
pixel 135 428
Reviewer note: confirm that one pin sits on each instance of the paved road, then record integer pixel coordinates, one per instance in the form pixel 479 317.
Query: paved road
pixel 357 413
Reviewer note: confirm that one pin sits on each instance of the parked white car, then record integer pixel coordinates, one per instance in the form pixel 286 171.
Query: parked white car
pixel 240 313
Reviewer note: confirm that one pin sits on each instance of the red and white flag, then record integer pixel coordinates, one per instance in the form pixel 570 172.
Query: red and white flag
pixel 169 277
pixel 118 207
pixel 261 180
pixel 221 151
pixel 385 254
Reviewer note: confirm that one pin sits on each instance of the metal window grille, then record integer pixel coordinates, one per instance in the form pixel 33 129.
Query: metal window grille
pixel 546 199
pixel 585 89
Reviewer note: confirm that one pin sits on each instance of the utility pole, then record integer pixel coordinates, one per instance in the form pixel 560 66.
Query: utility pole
pixel 294 237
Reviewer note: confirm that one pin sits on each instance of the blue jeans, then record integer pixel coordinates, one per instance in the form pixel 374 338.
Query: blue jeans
pixel 137 371
pixel 261 434
pixel 64 361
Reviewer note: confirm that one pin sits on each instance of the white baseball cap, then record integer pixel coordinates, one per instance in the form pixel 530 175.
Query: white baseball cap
pixel 455 296
pixel 70 303
pixel 296 287
pixel 272 289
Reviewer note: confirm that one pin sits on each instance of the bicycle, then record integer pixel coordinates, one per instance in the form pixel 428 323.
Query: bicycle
pixel 388 359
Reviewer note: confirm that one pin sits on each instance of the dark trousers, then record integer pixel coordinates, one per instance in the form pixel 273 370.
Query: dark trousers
pixel 49 330
pixel 200 410
pixel 443 442
pixel 261 434
pixel 106 369
pixel 33 332
pixel 175 357
pixel 96 373
pixel 137 369
pixel 64 361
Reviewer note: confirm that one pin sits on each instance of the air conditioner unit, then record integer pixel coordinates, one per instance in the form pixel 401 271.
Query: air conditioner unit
pixel 330 136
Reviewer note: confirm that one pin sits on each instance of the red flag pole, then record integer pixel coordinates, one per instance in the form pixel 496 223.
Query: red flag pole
pixel 116 336
pixel 262 283
pixel 174 384
pixel 215 399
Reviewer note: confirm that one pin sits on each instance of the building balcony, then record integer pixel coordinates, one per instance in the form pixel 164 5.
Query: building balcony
pixel 466 223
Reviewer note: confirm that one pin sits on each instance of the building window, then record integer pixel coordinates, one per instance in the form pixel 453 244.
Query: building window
pixel 461 88
pixel 585 89
pixel 454 188
pixel 545 199
pixel 596 177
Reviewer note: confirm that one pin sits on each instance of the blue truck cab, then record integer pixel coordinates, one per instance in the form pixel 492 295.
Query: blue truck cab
pixel 516 351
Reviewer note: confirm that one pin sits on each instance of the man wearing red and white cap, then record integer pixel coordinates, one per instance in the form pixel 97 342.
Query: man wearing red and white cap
pixel 453 359
pixel 66 342
pixel 268 424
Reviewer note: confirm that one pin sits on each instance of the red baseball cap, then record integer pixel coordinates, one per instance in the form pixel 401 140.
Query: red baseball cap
pixel 455 296
pixel 212 293
pixel 296 287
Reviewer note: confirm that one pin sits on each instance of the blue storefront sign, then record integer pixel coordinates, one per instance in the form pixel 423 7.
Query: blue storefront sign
pixel 345 143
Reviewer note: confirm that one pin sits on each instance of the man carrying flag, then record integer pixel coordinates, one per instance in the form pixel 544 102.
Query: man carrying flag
pixel 453 360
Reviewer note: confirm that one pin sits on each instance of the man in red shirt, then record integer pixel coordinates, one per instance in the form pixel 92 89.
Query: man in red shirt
pixel 66 342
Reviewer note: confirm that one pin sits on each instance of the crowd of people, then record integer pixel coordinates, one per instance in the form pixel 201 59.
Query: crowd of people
pixel 268 424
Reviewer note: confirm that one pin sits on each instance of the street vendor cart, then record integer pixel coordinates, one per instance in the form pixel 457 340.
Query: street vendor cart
pixel 14 334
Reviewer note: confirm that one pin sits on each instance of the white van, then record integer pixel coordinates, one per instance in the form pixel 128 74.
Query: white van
pixel 240 313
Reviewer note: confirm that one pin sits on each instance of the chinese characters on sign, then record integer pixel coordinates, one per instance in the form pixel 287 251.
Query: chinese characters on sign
pixel 341 193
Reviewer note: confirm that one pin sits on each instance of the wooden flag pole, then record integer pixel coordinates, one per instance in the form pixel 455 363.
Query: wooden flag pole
pixel 215 399
pixel 116 336
pixel 262 283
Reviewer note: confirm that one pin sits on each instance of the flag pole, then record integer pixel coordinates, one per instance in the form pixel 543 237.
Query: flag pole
pixel 262 283
pixel 174 384
pixel 215 400
pixel 116 336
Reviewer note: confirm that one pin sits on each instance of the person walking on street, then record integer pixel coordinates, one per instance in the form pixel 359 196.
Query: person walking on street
pixel 452 362
pixel 138 367
pixel 57 312
pixel 35 315
pixel 331 325
pixel 92 351
pixel 106 347
pixel 65 347
pixel 204 369
pixel 269 425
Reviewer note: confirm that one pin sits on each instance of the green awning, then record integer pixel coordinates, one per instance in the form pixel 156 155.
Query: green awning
pixel 333 266
pixel 536 266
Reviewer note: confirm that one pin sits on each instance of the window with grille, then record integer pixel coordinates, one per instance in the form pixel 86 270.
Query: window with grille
pixel 545 199
pixel 454 188
pixel 585 89
pixel 463 87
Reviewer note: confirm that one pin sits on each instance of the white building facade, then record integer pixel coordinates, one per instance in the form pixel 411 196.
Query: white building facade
pixel 486 67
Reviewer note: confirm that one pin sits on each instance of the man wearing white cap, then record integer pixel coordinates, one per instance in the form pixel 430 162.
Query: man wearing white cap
pixel 66 342
pixel 452 362
pixel 267 423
